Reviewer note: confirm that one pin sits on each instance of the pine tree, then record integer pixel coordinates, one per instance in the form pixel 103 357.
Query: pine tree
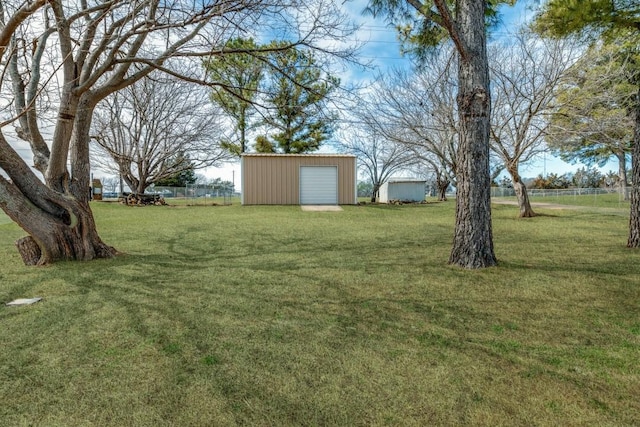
pixel 296 96
pixel 604 19
pixel 423 25
pixel 237 75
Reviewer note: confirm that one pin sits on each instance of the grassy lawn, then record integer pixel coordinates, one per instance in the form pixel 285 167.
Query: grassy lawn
pixel 270 316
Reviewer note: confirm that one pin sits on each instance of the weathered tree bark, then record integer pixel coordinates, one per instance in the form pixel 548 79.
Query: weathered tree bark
pixel 64 229
pixel 473 237
pixel 523 200
pixel 634 218
pixel 29 250
pixel 521 193
pixel 77 240
pixel 56 216
pixel 442 184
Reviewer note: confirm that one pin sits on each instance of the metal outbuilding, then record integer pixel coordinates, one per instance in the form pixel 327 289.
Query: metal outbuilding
pixel 299 179
pixel 402 189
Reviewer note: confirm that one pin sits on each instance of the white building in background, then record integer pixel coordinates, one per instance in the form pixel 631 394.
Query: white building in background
pixel 403 189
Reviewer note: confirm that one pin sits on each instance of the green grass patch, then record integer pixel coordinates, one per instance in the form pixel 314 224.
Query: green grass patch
pixel 4 219
pixel 256 315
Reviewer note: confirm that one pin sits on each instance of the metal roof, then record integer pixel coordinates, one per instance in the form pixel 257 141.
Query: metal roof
pixel 296 155
pixel 399 180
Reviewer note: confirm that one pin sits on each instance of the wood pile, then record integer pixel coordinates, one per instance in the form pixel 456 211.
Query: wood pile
pixel 405 202
pixel 133 199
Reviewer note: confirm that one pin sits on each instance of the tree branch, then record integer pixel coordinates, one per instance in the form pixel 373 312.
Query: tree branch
pixel 449 23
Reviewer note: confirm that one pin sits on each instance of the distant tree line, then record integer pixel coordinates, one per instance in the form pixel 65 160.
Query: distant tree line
pixel 585 177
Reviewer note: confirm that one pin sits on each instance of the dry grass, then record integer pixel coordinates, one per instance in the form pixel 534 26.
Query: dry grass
pixel 274 316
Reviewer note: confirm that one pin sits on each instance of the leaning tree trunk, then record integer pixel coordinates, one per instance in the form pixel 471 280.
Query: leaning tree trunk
pixel 634 218
pixel 72 238
pixel 443 185
pixel 57 216
pixel 523 200
pixel 473 238
pixel 60 227
pixel 521 194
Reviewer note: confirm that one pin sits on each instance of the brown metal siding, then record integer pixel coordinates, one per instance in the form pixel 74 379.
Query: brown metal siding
pixel 274 179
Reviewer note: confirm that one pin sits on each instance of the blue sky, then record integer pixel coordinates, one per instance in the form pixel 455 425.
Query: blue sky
pixel 382 48
pixel 382 51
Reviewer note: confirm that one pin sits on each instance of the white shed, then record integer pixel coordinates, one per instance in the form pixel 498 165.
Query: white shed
pixel 403 189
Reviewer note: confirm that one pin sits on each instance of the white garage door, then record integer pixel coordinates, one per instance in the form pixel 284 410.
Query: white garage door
pixel 318 185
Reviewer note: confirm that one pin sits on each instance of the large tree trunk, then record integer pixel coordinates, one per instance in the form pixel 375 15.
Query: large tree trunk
pixel 63 229
pixel 57 216
pixel 634 218
pixel 521 193
pixel 473 238
pixel 58 240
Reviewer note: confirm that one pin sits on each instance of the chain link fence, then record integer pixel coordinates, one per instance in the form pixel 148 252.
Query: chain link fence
pixel 196 194
pixel 582 196
pixel 537 192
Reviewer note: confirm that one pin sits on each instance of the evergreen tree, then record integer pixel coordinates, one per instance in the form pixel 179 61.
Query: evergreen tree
pixel 185 175
pixel 594 120
pixel 237 75
pixel 604 19
pixel 424 24
pixel 587 178
pixel 296 96
pixel 263 145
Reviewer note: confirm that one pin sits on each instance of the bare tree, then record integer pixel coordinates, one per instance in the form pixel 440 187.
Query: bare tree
pixel 525 72
pixel 101 47
pixel 378 159
pixel 418 110
pixel 143 128
pixel 110 184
